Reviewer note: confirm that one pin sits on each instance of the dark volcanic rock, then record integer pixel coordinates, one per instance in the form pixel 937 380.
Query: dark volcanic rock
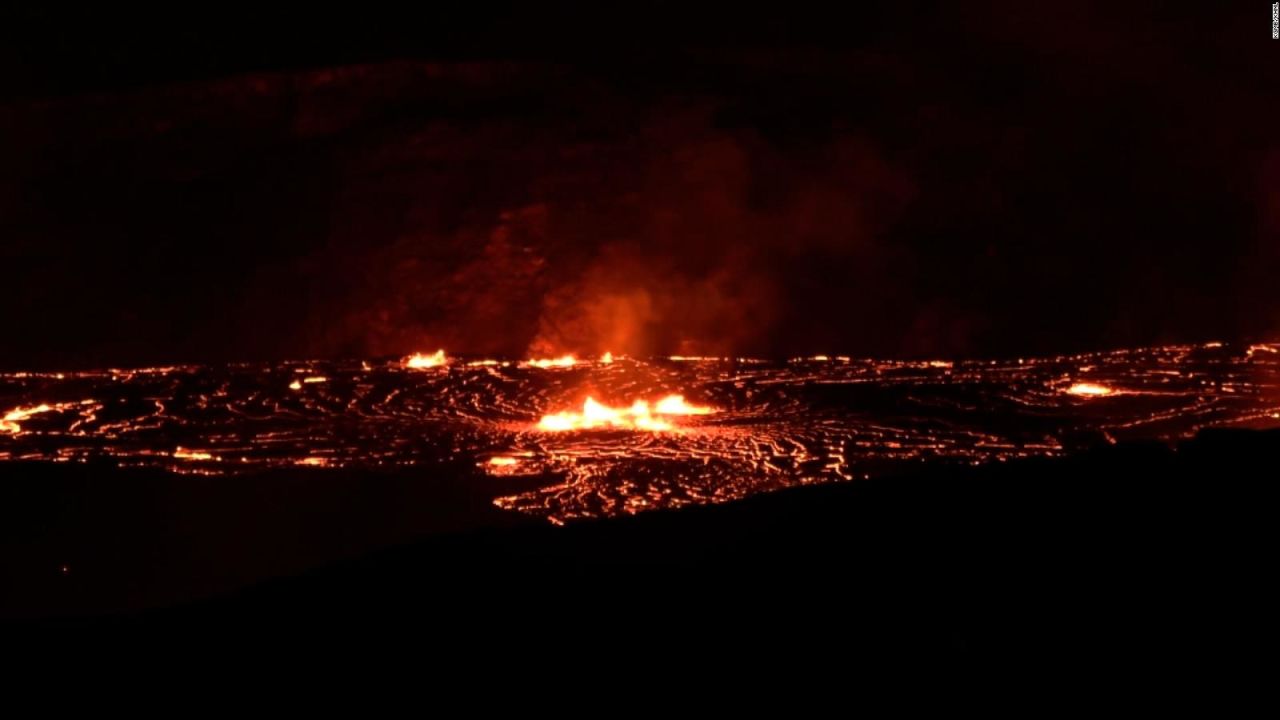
pixel 1142 552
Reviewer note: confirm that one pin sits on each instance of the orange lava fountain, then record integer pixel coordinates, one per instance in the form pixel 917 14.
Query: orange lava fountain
pixel 640 416
pixel 560 362
pixel 419 361
pixel 1089 390
pixel 9 424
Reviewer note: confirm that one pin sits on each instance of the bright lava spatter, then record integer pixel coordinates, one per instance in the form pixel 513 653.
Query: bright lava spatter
pixel 660 417
pixel 560 362
pixel 1090 390
pixel 747 425
pixel 419 361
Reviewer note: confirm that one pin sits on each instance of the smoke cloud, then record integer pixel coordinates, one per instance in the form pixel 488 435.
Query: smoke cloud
pixel 993 179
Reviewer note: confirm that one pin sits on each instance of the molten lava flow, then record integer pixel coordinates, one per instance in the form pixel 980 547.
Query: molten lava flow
pixel 418 361
pixel 606 358
pixel 1089 390
pixel 640 416
pixel 10 422
pixel 562 361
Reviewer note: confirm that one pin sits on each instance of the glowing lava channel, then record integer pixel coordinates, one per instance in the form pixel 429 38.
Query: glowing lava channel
pixel 9 424
pixel 640 416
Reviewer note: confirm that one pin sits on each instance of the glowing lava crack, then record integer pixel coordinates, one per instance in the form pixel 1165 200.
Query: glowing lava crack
pixel 640 416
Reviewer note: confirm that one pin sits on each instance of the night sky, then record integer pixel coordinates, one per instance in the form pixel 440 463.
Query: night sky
pixel 917 179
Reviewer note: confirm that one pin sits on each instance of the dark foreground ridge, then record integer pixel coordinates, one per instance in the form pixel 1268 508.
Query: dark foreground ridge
pixel 1141 552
